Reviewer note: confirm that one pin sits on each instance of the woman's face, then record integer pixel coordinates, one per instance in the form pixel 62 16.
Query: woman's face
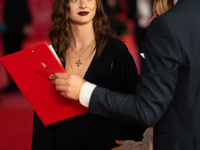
pixel 82 11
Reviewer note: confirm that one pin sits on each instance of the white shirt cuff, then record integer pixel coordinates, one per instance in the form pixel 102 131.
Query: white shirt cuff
pixel 86 93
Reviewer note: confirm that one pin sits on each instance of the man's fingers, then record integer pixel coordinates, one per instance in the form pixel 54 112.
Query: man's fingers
pixel 119 142
pixel 59 81
pixel 60 88
pixel 63 94
pixel 63 75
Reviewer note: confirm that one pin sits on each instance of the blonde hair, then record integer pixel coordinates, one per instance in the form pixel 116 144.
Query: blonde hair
pixel 163 5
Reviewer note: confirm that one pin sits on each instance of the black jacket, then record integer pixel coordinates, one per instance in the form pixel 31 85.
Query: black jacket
pixel 168 97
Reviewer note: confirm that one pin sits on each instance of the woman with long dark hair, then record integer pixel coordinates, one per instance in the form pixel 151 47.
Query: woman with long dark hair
pixel 87 46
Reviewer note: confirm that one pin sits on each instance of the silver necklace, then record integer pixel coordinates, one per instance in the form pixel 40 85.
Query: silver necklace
pixel 79 62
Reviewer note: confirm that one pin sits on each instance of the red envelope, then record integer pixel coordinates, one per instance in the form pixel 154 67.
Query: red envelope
pixel 33 80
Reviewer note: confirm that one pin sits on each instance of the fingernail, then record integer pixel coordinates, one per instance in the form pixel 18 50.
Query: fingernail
pixel 51 76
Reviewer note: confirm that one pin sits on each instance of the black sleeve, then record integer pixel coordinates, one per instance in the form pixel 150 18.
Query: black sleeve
pixel 153 96
pixel 124 71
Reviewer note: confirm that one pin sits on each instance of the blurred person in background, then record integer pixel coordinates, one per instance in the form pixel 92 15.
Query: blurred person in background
pixel 14 28
pixel 112 9
pixel 140 12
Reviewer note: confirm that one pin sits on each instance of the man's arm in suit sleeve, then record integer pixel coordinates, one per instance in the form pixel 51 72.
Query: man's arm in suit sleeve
pixel 154 94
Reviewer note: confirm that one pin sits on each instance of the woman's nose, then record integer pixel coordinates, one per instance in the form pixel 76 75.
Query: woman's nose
pixel 83 4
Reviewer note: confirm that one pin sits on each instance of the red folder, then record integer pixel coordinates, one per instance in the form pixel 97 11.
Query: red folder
pixel 33 80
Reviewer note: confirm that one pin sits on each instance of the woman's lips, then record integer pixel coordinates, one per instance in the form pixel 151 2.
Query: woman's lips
pixel 83 13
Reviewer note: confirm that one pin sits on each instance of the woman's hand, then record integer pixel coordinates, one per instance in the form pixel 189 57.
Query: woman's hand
pixel 69 85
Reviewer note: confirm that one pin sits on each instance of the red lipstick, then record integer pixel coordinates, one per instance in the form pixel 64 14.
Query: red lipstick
pixel 83 13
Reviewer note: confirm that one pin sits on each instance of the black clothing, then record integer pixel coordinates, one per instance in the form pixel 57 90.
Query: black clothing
pixel 140 32
pixel 16 15
pixel 114 69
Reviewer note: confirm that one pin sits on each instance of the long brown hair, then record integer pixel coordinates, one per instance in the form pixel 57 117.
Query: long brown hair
pixel 60 32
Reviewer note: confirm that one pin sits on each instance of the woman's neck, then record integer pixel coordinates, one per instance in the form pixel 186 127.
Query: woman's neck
pixel 82 35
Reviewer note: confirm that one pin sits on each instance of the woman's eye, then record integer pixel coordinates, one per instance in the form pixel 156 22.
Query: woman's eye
pixel 74 0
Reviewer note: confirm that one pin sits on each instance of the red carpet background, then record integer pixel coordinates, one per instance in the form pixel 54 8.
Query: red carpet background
pixel 16 115
pixel 16 119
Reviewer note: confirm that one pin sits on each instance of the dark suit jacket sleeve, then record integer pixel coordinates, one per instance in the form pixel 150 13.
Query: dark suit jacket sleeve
pixel 156 91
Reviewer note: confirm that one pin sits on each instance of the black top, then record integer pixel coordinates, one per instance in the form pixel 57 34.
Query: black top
pixel 114 69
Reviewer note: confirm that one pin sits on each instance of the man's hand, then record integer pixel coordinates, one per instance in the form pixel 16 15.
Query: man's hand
pixel 120 143
pixel 69 85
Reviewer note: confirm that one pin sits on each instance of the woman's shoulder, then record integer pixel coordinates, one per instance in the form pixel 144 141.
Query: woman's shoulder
pixel 116 46
pixel 116 42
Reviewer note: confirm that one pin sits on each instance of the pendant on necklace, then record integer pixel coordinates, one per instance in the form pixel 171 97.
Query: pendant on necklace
pixel 78 63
